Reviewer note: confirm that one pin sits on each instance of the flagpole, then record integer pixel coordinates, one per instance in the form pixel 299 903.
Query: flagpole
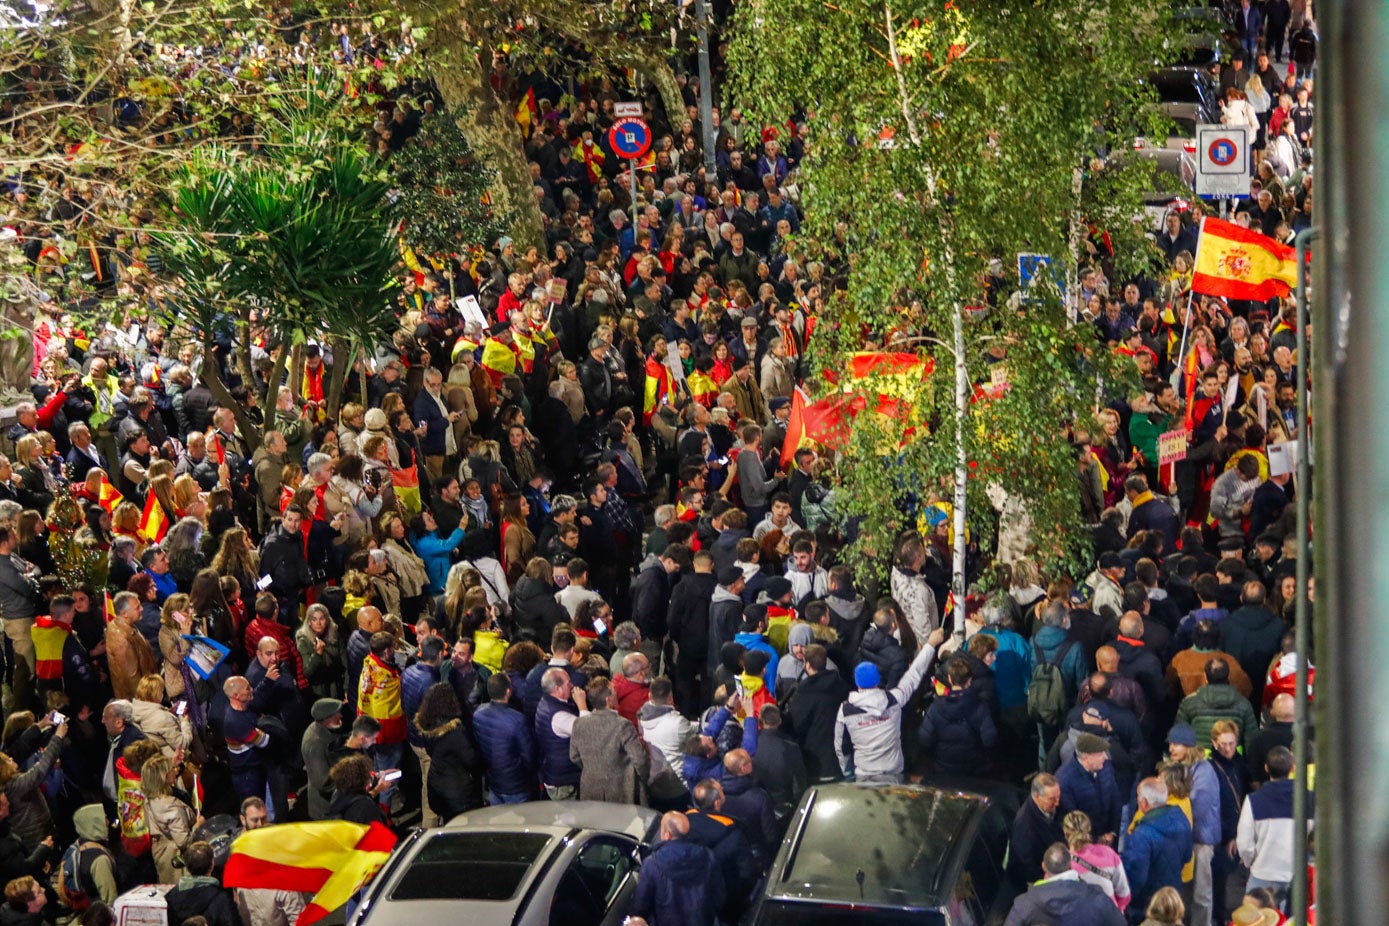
pixel 1191 290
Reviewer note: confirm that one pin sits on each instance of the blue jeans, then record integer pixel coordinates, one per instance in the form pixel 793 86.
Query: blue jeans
pixel 495 798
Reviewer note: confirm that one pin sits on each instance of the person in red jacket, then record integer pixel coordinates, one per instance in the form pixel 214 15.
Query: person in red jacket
pixel 633 686
pixel 265 624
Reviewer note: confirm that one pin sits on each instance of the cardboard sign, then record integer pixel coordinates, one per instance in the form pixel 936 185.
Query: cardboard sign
pixel 556 289
pixel 1171 447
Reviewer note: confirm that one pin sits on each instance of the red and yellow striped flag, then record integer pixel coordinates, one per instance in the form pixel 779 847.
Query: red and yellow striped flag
pixel 110 609
pixel 109 498
pixel 154 524
pixel 330 859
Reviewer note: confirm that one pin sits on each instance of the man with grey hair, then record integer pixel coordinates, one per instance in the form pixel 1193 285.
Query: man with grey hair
pixel 83 455
pixel 561 704
pixel 1053 646
pixel 128 654
pixel 118 717
pixel 1157 847
pixel 431 411
pixel 598 382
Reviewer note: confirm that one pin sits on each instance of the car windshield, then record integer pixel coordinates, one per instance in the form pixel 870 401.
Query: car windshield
pixel 899 838
pixel 470 866
pixel 809 914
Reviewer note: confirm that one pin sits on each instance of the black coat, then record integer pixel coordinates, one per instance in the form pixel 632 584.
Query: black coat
pixel 1253 636
pixel 811 716
pixel 958 732
pixel 689 616
pixel 455 769
pixel 204 898
pixel 1141 664
pixel 1065 901
pixel 535 610
pixel 354 807
pixel 883 650
pixel 1033 833
pixel 779 767
pixel 651 594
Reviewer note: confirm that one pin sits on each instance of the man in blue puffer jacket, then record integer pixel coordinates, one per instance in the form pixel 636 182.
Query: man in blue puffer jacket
pixel 680 883
pixel 1157 849
pixel 507 743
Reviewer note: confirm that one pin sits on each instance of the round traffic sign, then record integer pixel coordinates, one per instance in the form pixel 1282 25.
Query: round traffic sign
pixel 1222 152
pixel 630 138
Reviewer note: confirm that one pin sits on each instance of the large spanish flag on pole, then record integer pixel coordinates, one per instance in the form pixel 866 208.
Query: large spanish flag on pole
pixel 330 859
pixel 1236 263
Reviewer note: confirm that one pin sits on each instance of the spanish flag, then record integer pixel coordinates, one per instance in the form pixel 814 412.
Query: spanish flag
pixel 1236 263
pixel 498 360
pixel 526 110
pixel 154 524
pixel 657 389
pixel 827 422
pixel 330 859
pixel 702 387
pixel 108 497
pixel 110 609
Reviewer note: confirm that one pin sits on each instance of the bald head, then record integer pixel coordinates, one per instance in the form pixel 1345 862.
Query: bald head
pixel 1131 625
pixel 674 826
pixel 738 763
pixel 1107 659
pixel 634 667
pixel 369 619
pixel 1283 709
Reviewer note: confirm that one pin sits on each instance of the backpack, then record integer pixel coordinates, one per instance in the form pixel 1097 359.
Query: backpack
pixel 73 876
pixel 1047 699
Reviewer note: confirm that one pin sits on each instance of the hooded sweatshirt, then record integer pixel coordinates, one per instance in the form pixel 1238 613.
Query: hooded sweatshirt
pixel 868 728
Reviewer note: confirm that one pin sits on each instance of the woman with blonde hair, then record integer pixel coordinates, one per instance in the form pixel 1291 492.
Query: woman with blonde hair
pixel 321 650
pixel 164 493
pixel 175 621
pixel 171 734
pixel 1165 909
pixel 171 821
pixel 36 484
pixel 1095 863
pixel 187 494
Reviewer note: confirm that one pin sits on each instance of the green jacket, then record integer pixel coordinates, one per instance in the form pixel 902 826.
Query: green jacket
pixel 1209 703
pixel 1144 431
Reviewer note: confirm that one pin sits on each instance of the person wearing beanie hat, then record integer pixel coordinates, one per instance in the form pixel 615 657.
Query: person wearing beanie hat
pixel 870 721
pixel 319 743
pixel 777 596
pixel 1205 820
pixel 791 668
pixel 725 616
pixel 1087 784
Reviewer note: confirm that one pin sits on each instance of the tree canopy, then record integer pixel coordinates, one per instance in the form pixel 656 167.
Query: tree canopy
pixel 944 136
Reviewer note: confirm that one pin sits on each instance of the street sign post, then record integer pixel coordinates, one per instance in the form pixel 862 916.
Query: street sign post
pixel 1222 165
pixel 630 139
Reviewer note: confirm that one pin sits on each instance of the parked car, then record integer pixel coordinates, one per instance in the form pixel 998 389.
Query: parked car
pixel 893 855
pixel 567 863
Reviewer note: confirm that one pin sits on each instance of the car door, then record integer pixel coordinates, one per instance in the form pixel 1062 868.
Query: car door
pixel 597 884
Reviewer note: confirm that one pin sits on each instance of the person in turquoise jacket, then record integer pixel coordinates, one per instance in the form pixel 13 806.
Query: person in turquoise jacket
pixel 433 549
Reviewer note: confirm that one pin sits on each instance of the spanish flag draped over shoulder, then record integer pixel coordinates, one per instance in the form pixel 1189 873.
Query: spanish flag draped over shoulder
pixel 330 859
pixel 1236 263
pixel 657 389
pixel 154 524
pixel 498 360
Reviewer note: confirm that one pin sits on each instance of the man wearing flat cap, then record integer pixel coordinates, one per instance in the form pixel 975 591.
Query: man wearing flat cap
pixel 317 747
pixel 1087 784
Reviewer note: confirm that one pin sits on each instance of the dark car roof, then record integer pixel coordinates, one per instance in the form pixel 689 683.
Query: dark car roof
pixel 906 840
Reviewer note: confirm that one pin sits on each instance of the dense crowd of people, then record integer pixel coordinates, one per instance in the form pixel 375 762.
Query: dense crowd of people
pixel 546 548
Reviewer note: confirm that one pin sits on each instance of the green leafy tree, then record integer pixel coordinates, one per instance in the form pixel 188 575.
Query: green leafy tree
pixel 443 191
pixel 943 136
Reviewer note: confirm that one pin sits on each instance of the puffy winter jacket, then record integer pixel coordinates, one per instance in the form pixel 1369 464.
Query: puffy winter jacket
pixel 680 885
pixel 434 551
pixel 958 731
pixel 455 770
pixel 1064 898
pixel 1205 804
pixel 868 729
pixel 1209 703
pixel 883 650
pixel 1093 792
pixel 507 744
pixel 535 610
pixel 1155 852
pixel 909 589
